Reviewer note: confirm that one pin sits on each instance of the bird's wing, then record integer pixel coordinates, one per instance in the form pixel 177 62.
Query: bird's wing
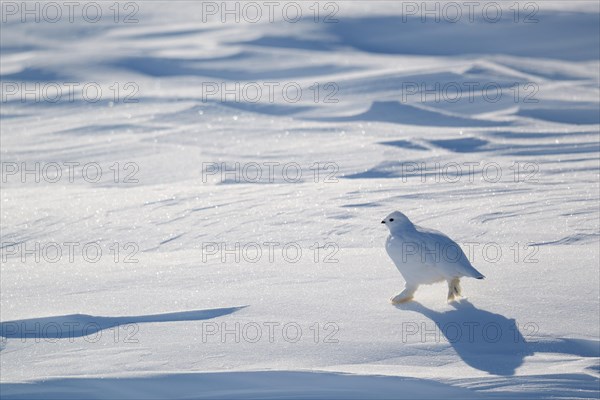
pixel 451 254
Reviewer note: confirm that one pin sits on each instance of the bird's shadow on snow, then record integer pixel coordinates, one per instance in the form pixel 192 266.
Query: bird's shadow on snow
pixel 78 325
pixel 487 341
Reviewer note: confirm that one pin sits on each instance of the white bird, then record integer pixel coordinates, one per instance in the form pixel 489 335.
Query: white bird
pixel 425 256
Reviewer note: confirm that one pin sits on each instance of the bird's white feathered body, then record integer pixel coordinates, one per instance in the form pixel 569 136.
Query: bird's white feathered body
pixel 425 256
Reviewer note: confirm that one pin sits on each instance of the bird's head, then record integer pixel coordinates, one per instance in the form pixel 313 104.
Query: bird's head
pixel 397 220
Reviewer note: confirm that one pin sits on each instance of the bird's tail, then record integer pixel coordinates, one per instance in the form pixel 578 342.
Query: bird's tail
pixel 476 274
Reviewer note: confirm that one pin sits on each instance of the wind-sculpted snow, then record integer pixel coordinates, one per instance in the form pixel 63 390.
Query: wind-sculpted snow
pixel 84 325
pixel 142 220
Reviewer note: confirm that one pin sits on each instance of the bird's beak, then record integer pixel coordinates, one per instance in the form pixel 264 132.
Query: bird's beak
pixel 383 222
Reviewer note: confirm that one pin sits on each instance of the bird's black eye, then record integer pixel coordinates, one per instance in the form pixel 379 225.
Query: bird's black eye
pixel 391 219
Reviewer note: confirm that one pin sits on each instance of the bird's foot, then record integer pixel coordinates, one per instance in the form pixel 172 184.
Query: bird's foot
pixel 454 298
pixel 454 290
pixel 400 299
